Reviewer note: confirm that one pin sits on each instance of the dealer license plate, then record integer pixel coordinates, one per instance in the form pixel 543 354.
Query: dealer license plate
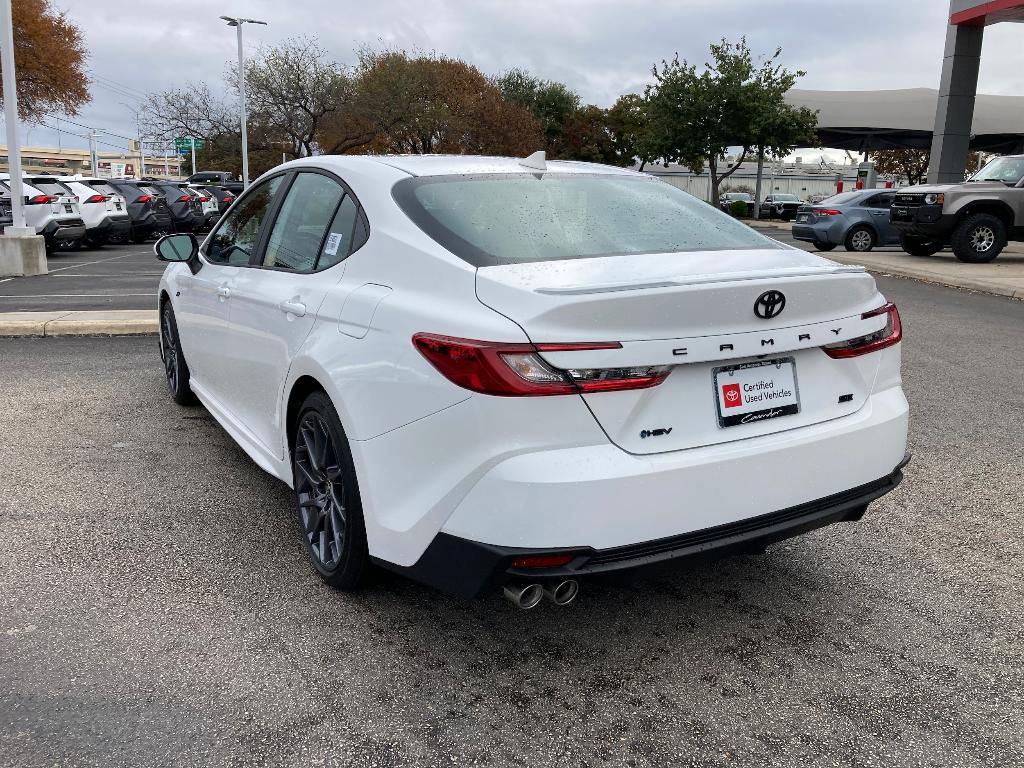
pixel 755 392
pixel 803 217
pixel 68 208
pixel 117 206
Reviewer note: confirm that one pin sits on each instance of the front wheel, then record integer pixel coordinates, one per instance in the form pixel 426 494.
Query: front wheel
pixel 175 368
pixel 327 494
pixel 979 238
pixel 860 240
pixel 917 246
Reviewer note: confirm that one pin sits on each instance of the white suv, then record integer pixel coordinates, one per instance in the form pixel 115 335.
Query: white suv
pixel 494 373
pixel 103 208
pixel 54 215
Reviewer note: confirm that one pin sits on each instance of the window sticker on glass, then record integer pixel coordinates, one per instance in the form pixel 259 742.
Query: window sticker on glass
pixel 333 241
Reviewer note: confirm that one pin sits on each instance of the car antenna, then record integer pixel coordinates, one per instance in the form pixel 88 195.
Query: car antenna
pixel 537 161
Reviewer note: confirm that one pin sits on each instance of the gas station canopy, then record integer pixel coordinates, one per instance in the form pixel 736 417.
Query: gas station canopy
pixel 868 120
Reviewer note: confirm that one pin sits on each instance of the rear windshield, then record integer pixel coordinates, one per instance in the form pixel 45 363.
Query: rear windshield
pixel 842 198
pixel 51 187
pixel 515 218
pixel 785 198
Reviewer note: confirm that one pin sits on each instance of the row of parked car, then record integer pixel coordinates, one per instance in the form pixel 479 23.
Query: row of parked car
pixel 72 211
pixel 779 205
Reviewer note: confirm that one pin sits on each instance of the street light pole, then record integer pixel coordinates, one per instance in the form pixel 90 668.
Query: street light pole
pixel 11 122
pixel 237 24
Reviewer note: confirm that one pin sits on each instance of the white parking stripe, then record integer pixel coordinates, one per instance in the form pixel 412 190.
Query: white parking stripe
pixel 75 295
pixel 99 261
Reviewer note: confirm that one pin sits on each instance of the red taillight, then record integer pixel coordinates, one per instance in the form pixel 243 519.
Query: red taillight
pixel 228 200
pixel 41 199
pixel 184 199
pixel 204 199
pixel 826 212
pixel 543 561
pixel 891 334
pixel 145 199
pixel 96 199
pixel 518 370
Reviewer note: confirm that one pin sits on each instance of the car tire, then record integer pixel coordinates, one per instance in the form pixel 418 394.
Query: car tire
pixel 979 238
pixel 820 246
pixel 95 243
pixel 175 368
pixel 860 239
pixel 330 511
pixel 917 246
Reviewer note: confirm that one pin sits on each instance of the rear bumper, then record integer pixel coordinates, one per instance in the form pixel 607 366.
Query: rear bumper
pixel 61 230
pixel 111 227
pixel 599 500
pixel 819 233
pixel 468 569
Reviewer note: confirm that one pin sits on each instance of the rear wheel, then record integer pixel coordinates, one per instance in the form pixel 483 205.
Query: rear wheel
pixel 860 239
pixel 918 246
pixel 327 494
pixel 979 238
pixel 820 246
pixel 175 368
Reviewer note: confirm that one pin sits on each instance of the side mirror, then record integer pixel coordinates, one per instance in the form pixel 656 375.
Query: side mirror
pixel 179 248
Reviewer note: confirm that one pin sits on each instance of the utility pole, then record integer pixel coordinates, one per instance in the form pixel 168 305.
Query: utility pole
pixel 11 121
pixel 237 24
pixel 93 158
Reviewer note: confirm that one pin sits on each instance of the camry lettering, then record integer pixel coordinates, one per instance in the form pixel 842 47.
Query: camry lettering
pixel 724 347
pixel 767 342
pixel 836 331
pixel 679 352
pixel 804 337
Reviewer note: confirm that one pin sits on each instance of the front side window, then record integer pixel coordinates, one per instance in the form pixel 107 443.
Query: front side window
pixel 513 218
pixel 236 237
pixel 298 234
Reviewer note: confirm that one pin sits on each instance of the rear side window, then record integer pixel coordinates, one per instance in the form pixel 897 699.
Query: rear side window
pixel 236 237
pixel 881 201
pixel 498 219
pixel 298 234
pixel 102 187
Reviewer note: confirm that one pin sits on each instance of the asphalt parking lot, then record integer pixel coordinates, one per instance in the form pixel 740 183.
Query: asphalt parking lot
pixel 157 608
pixel 112 277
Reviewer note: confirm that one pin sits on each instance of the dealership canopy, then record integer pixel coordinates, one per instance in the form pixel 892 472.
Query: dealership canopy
pixel 867 120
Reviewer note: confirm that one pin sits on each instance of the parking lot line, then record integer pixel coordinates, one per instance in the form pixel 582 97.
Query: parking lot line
pixel 99 261
pixel 73 295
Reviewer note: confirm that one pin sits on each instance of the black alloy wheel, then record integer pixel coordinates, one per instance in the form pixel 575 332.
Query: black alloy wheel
pixel 330 512
pixel 979 239
pixel 175 368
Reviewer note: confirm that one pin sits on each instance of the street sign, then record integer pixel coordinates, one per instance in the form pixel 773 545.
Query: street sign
pixel 184 145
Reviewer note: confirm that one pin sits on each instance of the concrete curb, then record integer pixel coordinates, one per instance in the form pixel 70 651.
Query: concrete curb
pixel 82 323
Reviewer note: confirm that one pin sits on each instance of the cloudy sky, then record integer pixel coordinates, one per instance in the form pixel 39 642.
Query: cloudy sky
pixel 601 48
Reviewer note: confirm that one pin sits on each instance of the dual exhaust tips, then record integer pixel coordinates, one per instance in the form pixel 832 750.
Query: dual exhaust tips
pixel 527 596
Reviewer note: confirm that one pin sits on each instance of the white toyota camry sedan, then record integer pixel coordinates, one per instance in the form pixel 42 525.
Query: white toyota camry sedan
pixel 511 374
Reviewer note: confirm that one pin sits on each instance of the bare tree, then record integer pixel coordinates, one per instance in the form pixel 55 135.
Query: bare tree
pixel 190 111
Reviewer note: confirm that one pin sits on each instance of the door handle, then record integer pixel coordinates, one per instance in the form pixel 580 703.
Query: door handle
pixel 293 307
pixel 224 292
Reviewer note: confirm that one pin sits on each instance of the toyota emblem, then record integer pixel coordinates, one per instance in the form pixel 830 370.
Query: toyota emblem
pixel 770 304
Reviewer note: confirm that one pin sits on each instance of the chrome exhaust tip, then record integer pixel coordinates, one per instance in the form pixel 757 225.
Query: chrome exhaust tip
pixel 525 596
pixel 563 592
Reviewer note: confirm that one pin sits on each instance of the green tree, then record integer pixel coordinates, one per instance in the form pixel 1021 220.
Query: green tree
pixel 629 124
pixel 697 115
pixel 551 102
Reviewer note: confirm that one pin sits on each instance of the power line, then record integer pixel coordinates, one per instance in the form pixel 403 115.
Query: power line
pixel 113 82
pixel 90 127
pixel 118 91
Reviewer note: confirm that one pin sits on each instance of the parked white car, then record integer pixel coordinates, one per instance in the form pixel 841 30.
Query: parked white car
pixel 209 203
pixel 104 209
pixel 494 373
pixel 56 216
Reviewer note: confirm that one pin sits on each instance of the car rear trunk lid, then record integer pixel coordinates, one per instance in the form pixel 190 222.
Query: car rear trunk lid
pixel 695 312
